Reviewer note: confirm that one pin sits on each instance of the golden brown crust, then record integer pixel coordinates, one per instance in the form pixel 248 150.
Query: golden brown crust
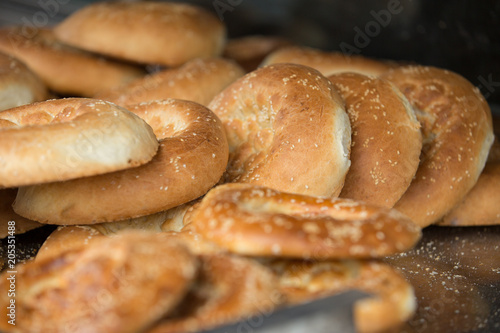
pixel 392 301
pixel 68 138
pixel 287 129
pixel 227 289
pixel 191 159
pixel 481 206
pixel 8 217
pixel 198 80
pixel 59 65
pixel 169 222
pixel 328 63
pixel 250 51
pixel 119 284
pixel 18 84
pixel 66 238
pixel 386 139
pixel 145 32
pixel 457 135
pixel 258 221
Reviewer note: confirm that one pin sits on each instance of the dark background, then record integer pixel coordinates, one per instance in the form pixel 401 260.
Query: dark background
pixel 461 35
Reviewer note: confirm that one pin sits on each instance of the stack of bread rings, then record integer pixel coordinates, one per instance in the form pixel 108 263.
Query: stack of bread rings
pixel 226 183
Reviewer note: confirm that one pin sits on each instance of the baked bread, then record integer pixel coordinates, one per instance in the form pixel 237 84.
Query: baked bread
pixel 65 70
pixel 386 139
pixel 191 159
pixel 457 136
pixel 18 84
pixel 287 129
pixel 63 139
pixel 146 32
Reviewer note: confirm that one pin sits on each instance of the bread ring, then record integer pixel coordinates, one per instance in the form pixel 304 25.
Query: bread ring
pixel 18 84
pixel 457 135
pixel 68 138
pixel 392 302
pixel 228 289
pixel 162 33
pixel 58 64
pixel 120 284
pixel 328 63
pixel 481 204
pixel 7 216
pixel 198 80
pixel 72 236
pixel 191 159
pixel 287 129
pixel 386 139
pixel 258 221
pixel 250 51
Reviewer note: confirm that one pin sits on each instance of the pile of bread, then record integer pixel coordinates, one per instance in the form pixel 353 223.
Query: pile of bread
pixel 193 189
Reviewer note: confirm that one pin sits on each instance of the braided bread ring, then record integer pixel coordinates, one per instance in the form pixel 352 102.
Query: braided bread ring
pixel 457 136
pixel 68 138
pixel 191 159
pixel 258 221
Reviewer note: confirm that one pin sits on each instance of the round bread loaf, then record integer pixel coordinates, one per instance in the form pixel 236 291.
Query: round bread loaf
pixel 198 80
pixel 457 136
pixel 10 222
pixel 119 284
pixel 228 289
pixel 481 206
pixel 258 221
pixel 72 236
pixel 145 32
pixel 18 84
pixel 287 129
pixel 392 301
pixel 65 70
pixel 191 159
pixel 70 138
pixel 328 63
pixel 386 139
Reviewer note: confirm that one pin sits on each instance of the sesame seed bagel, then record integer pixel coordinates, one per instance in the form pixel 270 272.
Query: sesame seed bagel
pixel 63 139
pixel 327 63
pixel 480 206
pixel 18 84
pixel 287 129
pixel 191 159
pixel 145 32
pixel 58 65
pixel 228 288
pixel 258 221
pixel 120 284
pixel 386 139
pixel 197 80
pixel 392 301
pixel 457 136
